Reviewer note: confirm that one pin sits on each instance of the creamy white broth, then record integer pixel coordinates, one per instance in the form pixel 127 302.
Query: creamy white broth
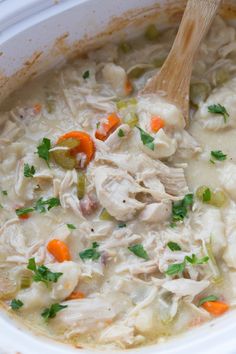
pixel 125 300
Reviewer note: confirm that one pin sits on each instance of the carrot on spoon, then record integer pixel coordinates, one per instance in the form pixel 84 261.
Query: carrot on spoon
pixel 59 250
pixel 106 128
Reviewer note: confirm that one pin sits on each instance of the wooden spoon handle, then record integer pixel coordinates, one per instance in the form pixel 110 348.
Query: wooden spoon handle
pixel 174 77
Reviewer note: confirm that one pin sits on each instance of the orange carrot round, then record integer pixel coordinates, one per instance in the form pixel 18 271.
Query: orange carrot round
pixel 113 121
pixel 37 108
pixel 76 295
pixel 59 250
pixel 156 123
pixel 24 216
pixel 215 308
pixel 86 145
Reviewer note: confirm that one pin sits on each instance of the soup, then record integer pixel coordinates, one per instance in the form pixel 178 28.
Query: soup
pixel 117 222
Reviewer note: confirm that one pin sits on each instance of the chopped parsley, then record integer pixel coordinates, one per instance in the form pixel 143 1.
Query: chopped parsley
pixel 147 139
pixel 42 273
pixel 180 208
pixel 196 261
pixel 23 211
pixel 43 205
pixel 121 225
pixel 218 155
pixel 16 304
pixel 86 74
pixel 29 171
pixel 4 193
pixel 91 253
pixel 43 150
pixel 121 133
pixel 173 246
pixel 176 268
pixel 206 196
pixel 139 251
pixel 219 109
pixel 52 311
pixel 207 298
pixel 71 226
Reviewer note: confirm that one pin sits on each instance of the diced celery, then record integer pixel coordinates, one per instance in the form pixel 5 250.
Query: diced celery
pixel 201 191
pixel 25 281
pixel 219 199
pixel 62 157
pixel 151 33
pixel 131 119
pixel 122 104
pixel 105 216
pixel 125 47
pixel 198 92
pixel 81 185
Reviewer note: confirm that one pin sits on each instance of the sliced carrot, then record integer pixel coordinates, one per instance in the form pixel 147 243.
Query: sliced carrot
pixel 85 146
pixel 76 295
pixel 156 123
pixel 215 308
pixel 128 87
pixel 37 108
pixel 59 250
pixel 113 121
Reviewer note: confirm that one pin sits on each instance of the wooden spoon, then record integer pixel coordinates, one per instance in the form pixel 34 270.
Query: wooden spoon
pixel 173 80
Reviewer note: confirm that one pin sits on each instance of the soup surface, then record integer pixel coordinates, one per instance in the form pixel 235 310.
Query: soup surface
pixel 118 226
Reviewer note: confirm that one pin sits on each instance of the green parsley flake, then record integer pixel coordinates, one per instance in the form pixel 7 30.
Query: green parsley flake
pixel 196 261
pixel 16 304
pixel 121 133
pixel 42 273
pixel 42 205
pixel 176 268
pixel 206 196
pixel 219 109
pixel 29 171
pixel 4 193
pixel 86 74
pixel 147 139
pixel 218 155
pixel 91 253
pixel 180 208
pixel 71 226
pixel 139 251
pixel 23 211
pixel 43 150
pixel 173 246
pixel 52 311
pixel 121 225
pixel 207 298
